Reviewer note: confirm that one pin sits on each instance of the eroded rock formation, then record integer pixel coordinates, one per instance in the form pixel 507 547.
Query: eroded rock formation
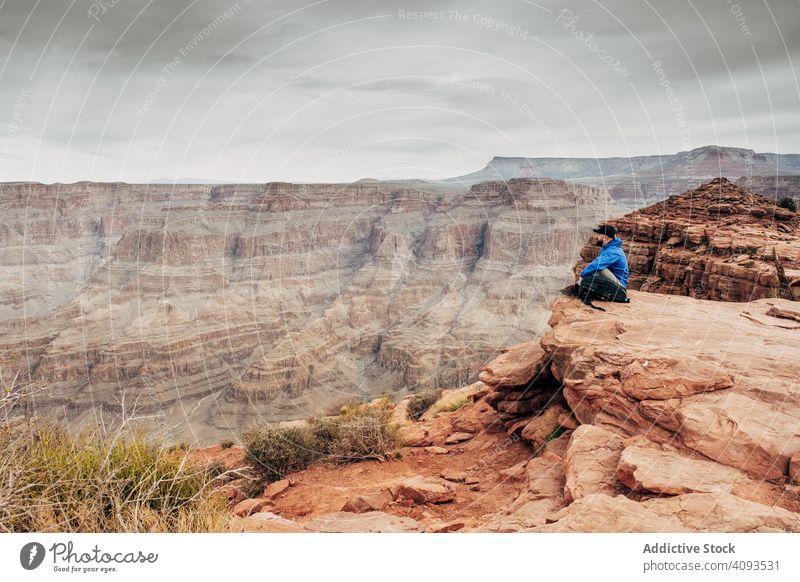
pixel 206 307
pixel 719 241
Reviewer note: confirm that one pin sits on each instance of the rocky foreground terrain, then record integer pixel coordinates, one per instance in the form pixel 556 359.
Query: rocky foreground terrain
pixel 638 181
pixel 667 414
pixel 198 309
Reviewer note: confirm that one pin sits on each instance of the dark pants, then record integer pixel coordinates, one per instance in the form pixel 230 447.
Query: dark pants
pixel 602 285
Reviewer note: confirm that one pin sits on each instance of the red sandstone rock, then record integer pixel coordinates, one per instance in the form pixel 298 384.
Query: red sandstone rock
pixel 370 522
pixel 249 506
pixel 367 502
pixel 423 490
pixel 276 488
pixel 686 245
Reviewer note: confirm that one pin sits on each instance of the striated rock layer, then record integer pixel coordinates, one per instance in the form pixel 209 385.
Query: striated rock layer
pixel 719 241
pixel 202 308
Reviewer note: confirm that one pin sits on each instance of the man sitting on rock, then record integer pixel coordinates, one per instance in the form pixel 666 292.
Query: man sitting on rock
pixel 606 277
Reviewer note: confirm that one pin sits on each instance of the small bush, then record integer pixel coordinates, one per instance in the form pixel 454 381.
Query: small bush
pixel 422 402
pixel 357 433
pixel 279 450
pixel 788 203
pixel 360 432
pixel 361 437
pixel 227 444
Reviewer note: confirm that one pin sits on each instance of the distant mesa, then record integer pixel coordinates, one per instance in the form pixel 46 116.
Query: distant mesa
pixel 637 181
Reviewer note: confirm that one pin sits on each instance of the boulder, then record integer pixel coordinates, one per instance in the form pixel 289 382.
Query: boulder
pixel 517 366
pixel 369 522
pixel 276 488
pixel 646 466
pixel 421 490
pixel 454 475
pixel 415 436
pixel 457 437
pixel 367 502
pixel 515 473
pixel 544 426
pixel 399 416
pixel 737 406
pixel 265 522
pixel 590 462
pixel 249 506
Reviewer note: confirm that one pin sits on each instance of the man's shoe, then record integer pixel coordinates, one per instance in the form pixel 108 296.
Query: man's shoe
pixel 570 290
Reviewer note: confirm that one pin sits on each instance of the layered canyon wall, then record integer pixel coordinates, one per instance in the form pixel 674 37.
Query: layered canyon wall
pixel 198 309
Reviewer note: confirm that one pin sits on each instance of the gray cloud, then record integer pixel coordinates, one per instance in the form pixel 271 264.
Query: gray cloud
pixel 260 91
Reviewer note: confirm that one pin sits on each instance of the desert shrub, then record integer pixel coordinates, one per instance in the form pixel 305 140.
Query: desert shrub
pixel 362 436
pixel 421 402
pixel 277 450
pixel 54 481
pixel 454 405
pixel 227 444
pixel 359 432
pixel 789 203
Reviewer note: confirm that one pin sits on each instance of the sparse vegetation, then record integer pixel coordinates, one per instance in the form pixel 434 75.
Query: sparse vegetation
pixel 748 264
pixel 277 450
pixel 454 405
pixel 788 203
pixel 422 402
pixel 52 481
pixel 227 444
pixel 556 433
pixel 358 432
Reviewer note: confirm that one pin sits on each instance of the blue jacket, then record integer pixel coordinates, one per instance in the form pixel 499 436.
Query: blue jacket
pixel 611 257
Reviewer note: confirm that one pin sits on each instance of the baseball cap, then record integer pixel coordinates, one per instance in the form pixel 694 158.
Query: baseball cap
pixel 606 229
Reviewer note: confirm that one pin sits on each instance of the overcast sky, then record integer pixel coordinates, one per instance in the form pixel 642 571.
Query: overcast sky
pixel 337 90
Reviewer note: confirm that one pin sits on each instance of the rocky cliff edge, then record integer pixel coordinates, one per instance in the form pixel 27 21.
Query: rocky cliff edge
pixel 667 414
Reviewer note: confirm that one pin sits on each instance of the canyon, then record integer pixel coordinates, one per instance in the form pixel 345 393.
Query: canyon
pixel 194 310
pixel 638 181
pixel 676 412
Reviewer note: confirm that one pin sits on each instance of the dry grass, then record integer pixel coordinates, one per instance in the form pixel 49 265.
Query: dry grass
pixel 52 481
pixel 55 481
